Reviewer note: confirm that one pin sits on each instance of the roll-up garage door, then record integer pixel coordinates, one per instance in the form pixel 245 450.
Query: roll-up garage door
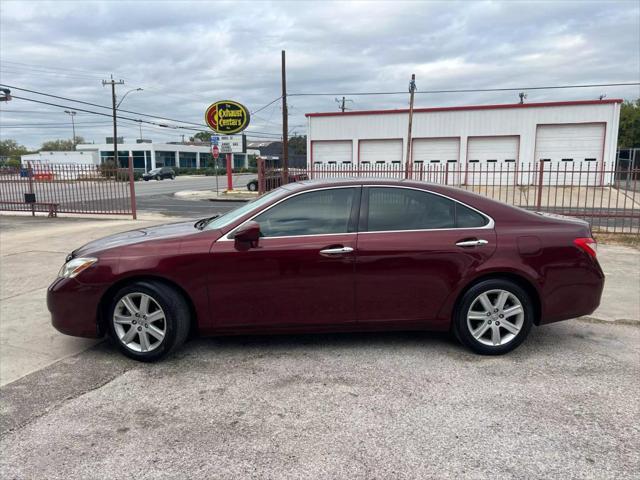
pixel 436 159
pixel 576 148
pixel 339 152
pixel 492 160
pixel 376 152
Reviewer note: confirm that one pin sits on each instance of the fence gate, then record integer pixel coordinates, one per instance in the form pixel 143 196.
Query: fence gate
pixel 68 188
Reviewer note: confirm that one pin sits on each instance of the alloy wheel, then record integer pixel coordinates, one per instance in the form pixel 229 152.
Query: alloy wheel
pixel 495 317
pixel 139 322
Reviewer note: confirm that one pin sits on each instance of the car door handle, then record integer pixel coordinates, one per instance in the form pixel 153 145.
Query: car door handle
pixel 472 243
pixel 332 252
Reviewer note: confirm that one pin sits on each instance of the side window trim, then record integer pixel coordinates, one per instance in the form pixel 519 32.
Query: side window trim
pixel 364 212
pixel 355 209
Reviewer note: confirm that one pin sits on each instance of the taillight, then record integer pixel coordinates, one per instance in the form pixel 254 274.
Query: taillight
pixel 588 245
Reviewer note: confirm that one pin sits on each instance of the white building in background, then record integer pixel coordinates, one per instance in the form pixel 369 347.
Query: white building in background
pixel 147 156
pixel 579 134
pixel 86 158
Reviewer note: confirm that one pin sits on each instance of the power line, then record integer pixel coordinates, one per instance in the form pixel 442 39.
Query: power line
pixel 201 125
pixel 154 125
pixel 468 90
pixel 265 106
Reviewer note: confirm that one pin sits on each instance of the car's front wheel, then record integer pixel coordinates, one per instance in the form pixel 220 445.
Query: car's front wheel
pixel 494 317
pixel 252 186
pixel 148 320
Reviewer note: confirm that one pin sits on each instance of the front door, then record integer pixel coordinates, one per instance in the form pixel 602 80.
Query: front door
pixel 300 273
pixel 411 254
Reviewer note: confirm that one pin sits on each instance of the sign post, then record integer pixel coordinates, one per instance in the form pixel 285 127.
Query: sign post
pixel 226 118
pixel 215 153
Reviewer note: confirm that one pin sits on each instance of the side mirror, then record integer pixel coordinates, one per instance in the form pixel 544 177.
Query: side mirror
pixel 249 233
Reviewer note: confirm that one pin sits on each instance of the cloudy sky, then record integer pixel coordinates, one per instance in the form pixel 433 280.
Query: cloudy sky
pixel 186 55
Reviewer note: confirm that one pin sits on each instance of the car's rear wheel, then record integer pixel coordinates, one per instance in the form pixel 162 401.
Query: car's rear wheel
pixel 148 320
pixel 494 317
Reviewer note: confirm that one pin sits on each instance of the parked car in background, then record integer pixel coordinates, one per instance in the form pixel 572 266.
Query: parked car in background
pixel 274 180
pixel 159 174
pixel 345 255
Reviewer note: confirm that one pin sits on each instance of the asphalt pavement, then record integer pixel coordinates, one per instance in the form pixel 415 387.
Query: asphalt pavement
pixel 158 196
pixel 357 406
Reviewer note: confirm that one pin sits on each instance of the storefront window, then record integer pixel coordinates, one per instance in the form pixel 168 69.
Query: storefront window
pixel 188 160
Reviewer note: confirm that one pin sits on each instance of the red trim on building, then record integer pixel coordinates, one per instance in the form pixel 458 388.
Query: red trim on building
pixel 470 107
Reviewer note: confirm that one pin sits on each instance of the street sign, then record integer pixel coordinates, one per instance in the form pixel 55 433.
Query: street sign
pixel 227 117
pixel 232 144
pixel 215 140
pixel 215 151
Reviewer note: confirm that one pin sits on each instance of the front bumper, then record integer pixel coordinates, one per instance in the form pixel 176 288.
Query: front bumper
pixel 74 307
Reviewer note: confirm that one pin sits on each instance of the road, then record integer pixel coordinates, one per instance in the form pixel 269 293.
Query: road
pixel 358 406
pixel 157 196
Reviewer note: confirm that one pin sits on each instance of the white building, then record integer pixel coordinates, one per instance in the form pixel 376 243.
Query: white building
pixel 147 156
pixel 44 157
pixel 568 133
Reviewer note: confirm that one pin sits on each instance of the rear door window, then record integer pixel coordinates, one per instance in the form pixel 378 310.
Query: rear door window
pixel 392 209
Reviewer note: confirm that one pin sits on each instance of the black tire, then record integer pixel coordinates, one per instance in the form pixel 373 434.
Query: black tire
pixel 146 179
pixel 461 327
pixel 176 313
pixel 173 177
pixel 252 186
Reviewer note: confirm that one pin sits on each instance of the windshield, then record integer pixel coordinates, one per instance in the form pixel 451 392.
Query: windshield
pixel 155 170
pixel 233 215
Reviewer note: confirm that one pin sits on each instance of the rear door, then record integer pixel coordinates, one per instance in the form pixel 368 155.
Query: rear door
pixel 414 247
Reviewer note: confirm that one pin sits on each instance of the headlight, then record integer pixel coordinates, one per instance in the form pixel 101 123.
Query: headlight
pixel 75 266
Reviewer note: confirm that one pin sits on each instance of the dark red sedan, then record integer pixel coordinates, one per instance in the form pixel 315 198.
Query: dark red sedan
pixel 334 256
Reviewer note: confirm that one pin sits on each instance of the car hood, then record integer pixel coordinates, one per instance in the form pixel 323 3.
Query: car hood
pixel 136 236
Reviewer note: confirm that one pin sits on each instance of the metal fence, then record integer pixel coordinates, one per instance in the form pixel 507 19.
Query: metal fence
pixel 607 196
pixel 68 188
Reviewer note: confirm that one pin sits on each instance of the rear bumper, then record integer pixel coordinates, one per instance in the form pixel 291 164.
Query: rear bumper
pixel 74 307
pixel 575 299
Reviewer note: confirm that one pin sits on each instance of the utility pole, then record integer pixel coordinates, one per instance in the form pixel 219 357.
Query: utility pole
pixel 72 113
pixel 412 90
pixel 113 84
pixel 343 103
pixel 285 124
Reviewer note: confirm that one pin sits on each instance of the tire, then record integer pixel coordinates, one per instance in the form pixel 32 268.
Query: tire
pixel 173 177
pixel 174 324
pixel 478 327
pixel 157 177
pixel 146 179
pixel 252 186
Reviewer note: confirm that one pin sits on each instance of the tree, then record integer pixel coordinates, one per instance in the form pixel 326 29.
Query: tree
pixel 204 137
pixel 629 131
pixel 298 145
pixel 11 151
pixel 60 145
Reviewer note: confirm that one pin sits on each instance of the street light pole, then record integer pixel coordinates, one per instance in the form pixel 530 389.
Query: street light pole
pixel 72 113
pixel 127 93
